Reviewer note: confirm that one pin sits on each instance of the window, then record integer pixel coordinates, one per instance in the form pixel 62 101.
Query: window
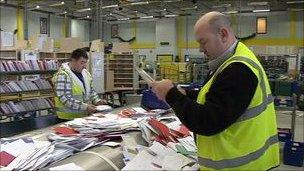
pixel 261 25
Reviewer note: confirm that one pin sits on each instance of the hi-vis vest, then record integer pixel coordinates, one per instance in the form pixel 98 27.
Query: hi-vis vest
pixel 79 92
pixel 251 143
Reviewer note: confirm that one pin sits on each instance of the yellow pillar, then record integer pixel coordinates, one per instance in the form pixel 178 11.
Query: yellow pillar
pixel 64 27
pixel 134 32
pixel 20 34
pixel 292 29
pixel 180 36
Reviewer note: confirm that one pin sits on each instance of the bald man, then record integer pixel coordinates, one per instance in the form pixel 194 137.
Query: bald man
pixel 232 115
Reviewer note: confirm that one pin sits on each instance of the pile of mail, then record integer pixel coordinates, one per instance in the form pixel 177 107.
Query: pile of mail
pixel 29 154
pixel 83 133
pixel 139 112
pixel 23 106
pixel 160 157
pixel 172 134
pixel 26 85
pixel 29 65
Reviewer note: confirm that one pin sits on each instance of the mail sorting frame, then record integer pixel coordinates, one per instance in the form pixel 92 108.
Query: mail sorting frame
pixel 86 160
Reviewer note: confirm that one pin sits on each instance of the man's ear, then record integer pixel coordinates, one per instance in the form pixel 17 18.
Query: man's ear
pixel 224 34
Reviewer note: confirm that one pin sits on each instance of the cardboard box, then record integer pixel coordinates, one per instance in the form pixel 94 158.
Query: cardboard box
pixel 48 45
pixel 121 48
pixel 21 44
pixel 69 44
pixel 109 80
pixel 97 46
pixel 84 44
pixel 36 41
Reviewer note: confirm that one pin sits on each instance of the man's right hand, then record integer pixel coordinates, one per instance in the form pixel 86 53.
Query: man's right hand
pixel 91 109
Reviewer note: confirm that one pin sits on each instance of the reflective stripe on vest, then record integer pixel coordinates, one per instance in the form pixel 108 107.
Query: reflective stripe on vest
pixel 238 161
pixel 267 98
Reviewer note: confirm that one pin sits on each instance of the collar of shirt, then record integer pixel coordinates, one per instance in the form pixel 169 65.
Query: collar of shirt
pixel 217 62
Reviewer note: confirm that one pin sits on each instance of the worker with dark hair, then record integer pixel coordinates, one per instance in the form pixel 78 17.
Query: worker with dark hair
pixel 75 96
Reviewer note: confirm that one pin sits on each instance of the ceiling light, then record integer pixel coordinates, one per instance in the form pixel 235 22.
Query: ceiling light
pixel 136 11
pixel 139 3
pixel 261 10
pixel 83 10
pixel 165 9
pixel 88 16
pixel 2 0
pixel 171 15
pixel 111 14
pixel 258 3
pixel 65 12
pixel 57 4
pixel 123 19
pixel 109 6
pixel 146 17
pixel 37 7
pixel 231 12
pixel 294 2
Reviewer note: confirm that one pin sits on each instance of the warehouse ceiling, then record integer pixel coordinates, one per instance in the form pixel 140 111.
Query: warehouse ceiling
pixel 113 10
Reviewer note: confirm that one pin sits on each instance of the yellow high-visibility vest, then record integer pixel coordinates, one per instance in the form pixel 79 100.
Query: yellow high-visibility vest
pixel 251 143
pixel 78 93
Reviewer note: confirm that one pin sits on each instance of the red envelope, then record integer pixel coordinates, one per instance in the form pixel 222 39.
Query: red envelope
pixel 184 130
pixel 6 158
pixel 65 130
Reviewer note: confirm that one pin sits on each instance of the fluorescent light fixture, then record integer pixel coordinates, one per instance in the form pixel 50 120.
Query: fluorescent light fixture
pixel 88 16
pixel 37 7
pixel 294 2
pixel 231 12
pixel 2 0
pixel 165 9
pixel 57 4
pixel 65 12
pixel 83 10
pixel 123 19
pixel 170 15
pixel 146 17
pixel 110 13
pixel 258 3
pixel 139 3
pixel 109 6
pixel 261 10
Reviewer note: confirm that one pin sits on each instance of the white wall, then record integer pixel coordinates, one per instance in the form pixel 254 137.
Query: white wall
pixel 8 22
pixel 8 19
pixel 34 22
pixel 81 29
pixel 166 32
pixel 56 27
pixel 146 31
pixel 299 24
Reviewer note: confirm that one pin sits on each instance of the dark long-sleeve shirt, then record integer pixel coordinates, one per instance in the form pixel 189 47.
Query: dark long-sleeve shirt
pixel 227 99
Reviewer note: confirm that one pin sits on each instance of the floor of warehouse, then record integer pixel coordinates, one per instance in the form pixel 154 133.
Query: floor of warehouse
pixel 284 121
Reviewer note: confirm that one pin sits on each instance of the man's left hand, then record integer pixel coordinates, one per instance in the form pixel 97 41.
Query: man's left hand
pixel 101 102
pixel 161 88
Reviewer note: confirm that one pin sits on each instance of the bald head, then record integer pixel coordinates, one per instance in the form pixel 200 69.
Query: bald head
pixel 215 20
pixel 214 33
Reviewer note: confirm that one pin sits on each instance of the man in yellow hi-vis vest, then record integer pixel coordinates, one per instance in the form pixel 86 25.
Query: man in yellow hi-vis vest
pixel 232 115
pixel 75 96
